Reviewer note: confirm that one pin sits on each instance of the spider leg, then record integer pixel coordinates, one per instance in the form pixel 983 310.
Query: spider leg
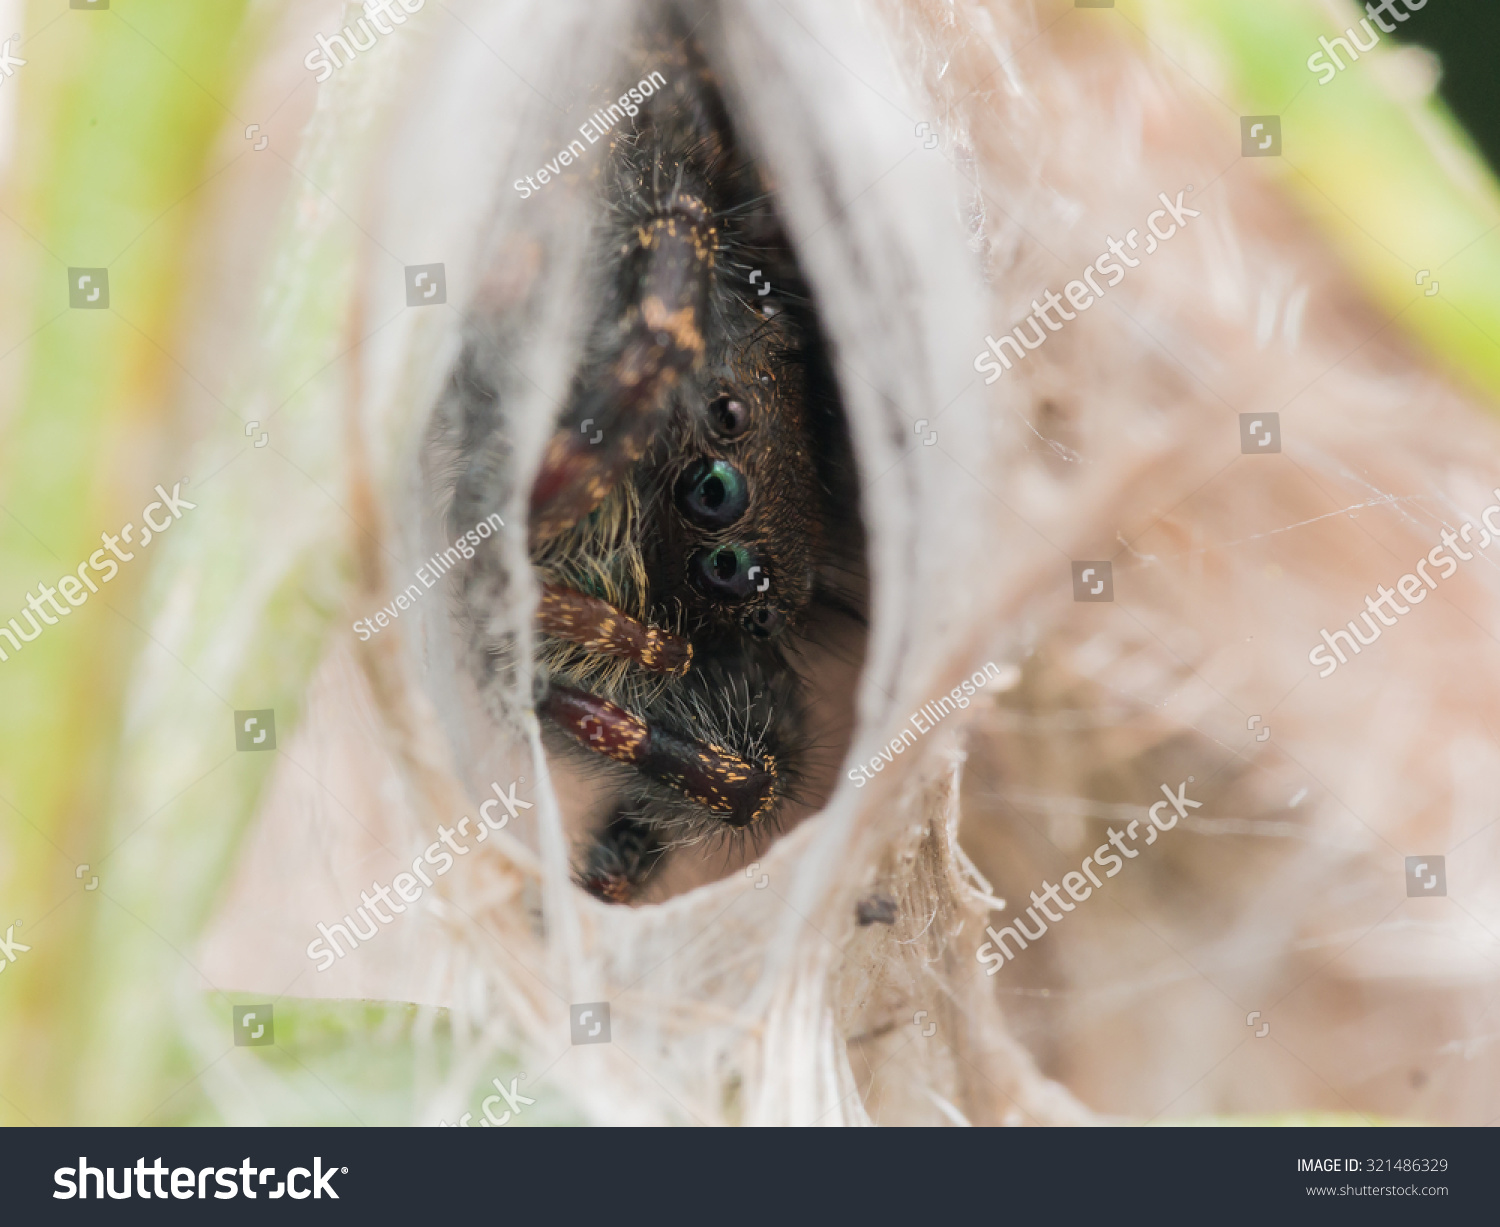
pixel 667 278
pixel 619 862
pixel 597 626
pixel 738 791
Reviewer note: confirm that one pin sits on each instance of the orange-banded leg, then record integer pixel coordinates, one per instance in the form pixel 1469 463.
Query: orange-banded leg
pixel 610 426
pixel 598 627
pixel 736 790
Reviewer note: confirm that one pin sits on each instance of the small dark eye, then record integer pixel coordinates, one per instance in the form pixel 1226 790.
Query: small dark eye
pixel 728 417
pixel 765 623
pixel 727 573
pixel 712 493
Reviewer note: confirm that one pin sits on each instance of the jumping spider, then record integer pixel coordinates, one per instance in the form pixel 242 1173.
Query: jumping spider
pixel 693 521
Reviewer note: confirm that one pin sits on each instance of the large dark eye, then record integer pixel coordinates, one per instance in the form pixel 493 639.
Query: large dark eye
pixel 712 493
pixel 727 573
pixel 765 623
pixel 728 417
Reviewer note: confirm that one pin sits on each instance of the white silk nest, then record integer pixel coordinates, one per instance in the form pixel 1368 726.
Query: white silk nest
pixel 1117 439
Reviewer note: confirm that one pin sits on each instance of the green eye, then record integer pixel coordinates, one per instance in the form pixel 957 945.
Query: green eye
pixel 727 573
pixel 712 493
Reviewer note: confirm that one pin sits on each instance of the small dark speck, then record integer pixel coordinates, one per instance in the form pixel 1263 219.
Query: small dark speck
pixel 875 909
pixel 1418 1079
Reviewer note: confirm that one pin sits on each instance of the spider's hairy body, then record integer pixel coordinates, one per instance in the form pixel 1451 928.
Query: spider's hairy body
pixel 688 515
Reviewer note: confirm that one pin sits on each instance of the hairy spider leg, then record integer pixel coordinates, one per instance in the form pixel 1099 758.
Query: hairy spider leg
pixel 736 790
pixel 597 626
pixel 610 426
pixel 620 861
